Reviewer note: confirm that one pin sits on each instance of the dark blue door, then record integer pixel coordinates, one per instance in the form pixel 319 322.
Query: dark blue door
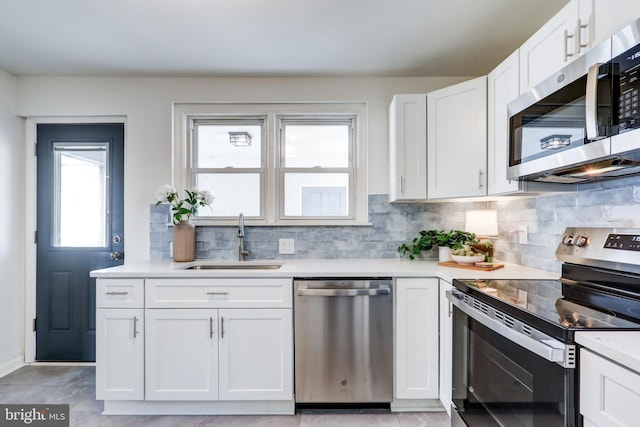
pixel 80 185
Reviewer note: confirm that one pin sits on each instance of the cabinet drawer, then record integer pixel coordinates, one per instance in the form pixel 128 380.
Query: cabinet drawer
pixel 218 293
pixel 119 293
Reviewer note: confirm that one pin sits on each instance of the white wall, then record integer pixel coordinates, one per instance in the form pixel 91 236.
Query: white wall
pixel 147 105
pixel 11 228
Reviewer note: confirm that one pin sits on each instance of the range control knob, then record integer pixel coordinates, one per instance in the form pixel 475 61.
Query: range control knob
pixel 567 239
pixel 580 241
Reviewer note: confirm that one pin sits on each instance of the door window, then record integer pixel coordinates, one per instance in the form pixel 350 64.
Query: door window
pixel 80 209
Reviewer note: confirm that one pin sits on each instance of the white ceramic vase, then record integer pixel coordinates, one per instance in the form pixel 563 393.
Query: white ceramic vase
pixel 444 253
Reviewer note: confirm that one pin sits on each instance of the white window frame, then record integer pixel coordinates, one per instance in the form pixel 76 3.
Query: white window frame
pixel 184 113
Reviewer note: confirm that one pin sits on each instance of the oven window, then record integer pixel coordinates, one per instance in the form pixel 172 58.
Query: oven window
pixel 497 382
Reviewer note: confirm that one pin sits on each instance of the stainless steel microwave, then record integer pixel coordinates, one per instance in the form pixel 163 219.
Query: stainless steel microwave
pixel 582 123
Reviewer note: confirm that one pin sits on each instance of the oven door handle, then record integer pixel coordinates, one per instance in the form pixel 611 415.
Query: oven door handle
pixel 549 349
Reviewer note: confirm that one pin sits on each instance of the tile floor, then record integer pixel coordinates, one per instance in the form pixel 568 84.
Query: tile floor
pixel 75 385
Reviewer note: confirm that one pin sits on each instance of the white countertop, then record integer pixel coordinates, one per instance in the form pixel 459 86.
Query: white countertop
pixel 622 347
pixel 326 268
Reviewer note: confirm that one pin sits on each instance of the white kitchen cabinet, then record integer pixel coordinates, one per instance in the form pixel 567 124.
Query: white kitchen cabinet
pixel 256 350
pixel 408 147
pixel 562 39
pixel 120 354
pixel 609 393
pixel 502 88
pixel 457 140
pixel 446 349
pixel 613 15
pixel 181 354
pixel 416 338
pixel 119 339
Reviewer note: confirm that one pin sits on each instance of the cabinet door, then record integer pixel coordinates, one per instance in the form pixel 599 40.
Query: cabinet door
pixel 550 48
pixel 446 349
pixel 611 16
pixel 408 147
pixel 256 354
pixel 457 140
pixel 119 354
pixel 502 88
pixel 181 354
pixel 416 338
pixel 609 393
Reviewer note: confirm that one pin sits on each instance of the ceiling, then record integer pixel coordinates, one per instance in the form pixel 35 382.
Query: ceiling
pixel 264 37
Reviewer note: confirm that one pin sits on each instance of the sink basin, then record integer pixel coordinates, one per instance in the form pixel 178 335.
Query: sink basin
pixel 238 265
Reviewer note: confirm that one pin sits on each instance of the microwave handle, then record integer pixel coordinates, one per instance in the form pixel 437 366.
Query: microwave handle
pixel 591 103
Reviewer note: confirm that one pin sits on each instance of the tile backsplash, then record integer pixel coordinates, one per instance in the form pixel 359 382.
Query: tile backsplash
pixel 614 203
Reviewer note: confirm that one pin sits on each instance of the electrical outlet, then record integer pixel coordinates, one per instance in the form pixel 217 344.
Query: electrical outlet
pixel 171 249
pixel 523 234
pixel 286 246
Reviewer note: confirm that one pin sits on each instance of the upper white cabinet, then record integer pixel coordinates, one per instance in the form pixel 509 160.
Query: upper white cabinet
pixel 612 15
pixel 502 88
pixel 457 140
pixel 562 39
pixel 408 147
pixel 416 338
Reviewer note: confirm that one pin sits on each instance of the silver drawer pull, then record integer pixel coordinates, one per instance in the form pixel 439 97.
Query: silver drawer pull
pixel 217 293
pixel 117 293
pixel 135 326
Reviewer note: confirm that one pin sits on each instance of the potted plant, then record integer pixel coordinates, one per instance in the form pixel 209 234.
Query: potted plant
pixel 427 239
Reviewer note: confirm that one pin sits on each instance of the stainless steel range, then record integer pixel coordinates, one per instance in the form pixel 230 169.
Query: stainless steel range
pixel 514 356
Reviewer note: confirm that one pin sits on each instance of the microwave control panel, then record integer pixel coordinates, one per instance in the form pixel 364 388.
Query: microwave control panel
pixel 629 102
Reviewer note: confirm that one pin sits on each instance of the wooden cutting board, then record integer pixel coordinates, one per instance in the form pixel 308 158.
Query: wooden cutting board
pixel 454 264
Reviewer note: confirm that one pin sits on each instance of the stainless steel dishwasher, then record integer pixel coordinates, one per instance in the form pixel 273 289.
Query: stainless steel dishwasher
pixel 343 340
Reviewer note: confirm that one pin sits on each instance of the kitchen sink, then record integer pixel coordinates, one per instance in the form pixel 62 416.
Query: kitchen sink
pixel 231 265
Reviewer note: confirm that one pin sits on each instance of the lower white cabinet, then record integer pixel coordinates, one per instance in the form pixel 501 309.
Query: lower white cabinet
pixel 609 393
pixel 255 354
pixel 215 352
pixel 416 338
pixel 119 339
pixel 120 354
pixel 446 343
pixel 181 354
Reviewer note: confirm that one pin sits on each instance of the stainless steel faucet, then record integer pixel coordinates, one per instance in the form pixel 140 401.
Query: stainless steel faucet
pixel 242 252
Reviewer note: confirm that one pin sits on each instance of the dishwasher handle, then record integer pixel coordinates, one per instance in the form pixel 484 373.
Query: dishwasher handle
pixel 349 292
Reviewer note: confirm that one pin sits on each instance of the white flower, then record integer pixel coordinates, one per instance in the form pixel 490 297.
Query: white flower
pixel 206 197
pixel 166 193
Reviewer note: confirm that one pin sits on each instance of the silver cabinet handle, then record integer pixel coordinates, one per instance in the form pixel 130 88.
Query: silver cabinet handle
pixel 402 185
pixel 480 180
pixel 221 327
pixel 211 327
pixel 135 326
pixel 116 293
pixel 591 103
pixel 343 292
pixel 567 37
pixel 581 27
pixel 217 293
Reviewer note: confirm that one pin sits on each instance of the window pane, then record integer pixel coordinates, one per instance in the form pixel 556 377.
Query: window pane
pixel 234 193
pixel 215 148
pixel 316 194
pixel 80 190
pixel 316 145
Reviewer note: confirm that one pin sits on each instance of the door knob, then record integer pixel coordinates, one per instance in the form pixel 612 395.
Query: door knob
pixel 115 256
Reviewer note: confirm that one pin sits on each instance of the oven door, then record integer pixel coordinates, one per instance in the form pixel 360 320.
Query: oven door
pixel 497 382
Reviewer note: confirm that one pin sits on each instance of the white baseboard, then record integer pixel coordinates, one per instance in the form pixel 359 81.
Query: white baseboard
pixel 12 365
